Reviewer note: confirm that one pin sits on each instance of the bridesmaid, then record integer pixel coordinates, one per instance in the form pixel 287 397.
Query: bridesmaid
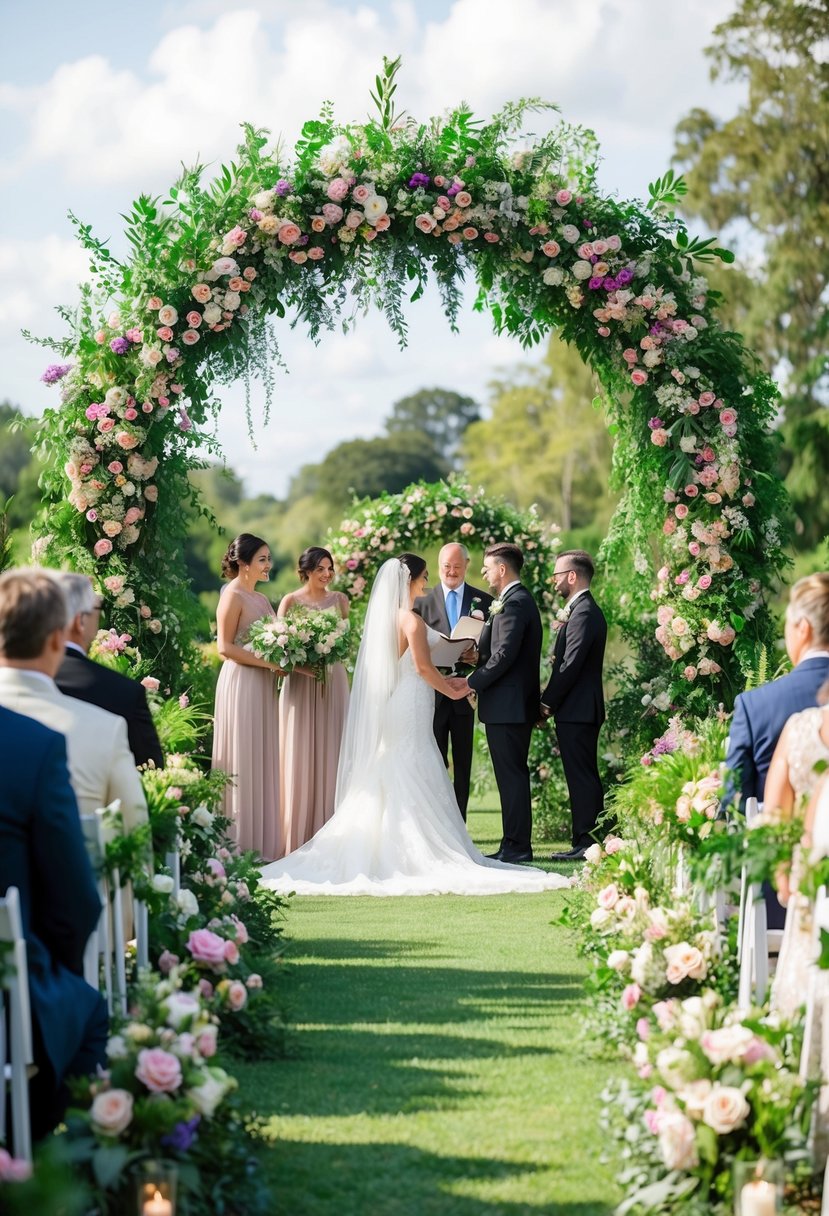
pixel 245 731
pixel 311 715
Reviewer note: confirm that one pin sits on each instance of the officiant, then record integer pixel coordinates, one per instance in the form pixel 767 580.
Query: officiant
pixel 451 599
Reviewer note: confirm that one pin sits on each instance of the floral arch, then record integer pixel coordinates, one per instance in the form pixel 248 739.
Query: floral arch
pixel 360 215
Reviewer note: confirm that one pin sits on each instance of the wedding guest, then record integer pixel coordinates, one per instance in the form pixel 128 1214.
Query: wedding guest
pixel 442 608
pixel 574 696
pixel 311 714
pixel 81 677
pixel 42 853
pixel 33 619
pixel 761 713
pixel 246 725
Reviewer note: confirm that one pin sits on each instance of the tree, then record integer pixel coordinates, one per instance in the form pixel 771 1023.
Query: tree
pixel 368 467
pixel 544 443
pixel 439 413
pixel 768 168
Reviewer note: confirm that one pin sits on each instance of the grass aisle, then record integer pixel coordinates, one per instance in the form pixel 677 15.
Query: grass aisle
pixel 436 1067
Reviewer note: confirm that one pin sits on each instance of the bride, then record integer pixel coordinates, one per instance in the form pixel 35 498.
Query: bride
pixel 396 828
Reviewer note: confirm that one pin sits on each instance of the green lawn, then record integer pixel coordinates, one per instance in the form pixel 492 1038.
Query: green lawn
pixel 435 1063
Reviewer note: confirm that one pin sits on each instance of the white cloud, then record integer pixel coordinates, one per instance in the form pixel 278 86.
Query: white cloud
pixel 36 274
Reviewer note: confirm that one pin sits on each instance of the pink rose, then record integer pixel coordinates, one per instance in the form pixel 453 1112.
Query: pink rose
pixel 639 377
pixel 102 548
pixel 105 424
pixel 215 867
pixel 444 203
pixel 165 333
pixel 111 1111
pixel 563 198
pixel 680 510
pixel 362 192
pixel 241 932
pixel 202 293
pixel 690 673
pixel 332 213
pixel 728 417
pixel 190 337
pixel 463 199
pixel 205 989
pixel 660 437
pixel 126 440
pixel 206 947
pixel 237 995
pixel 630 996
pixel 706 399
pixel 317 223
pixel 289 233
pixel 151 493
pixel 167 960
pixel 425 222
pixel 492 238
pixel 206 1043
pixel 254 980
pixel 551 249
pixel 194 319
pixel 151 683
pixel 154 303
pixel 704 582
pixel 691 490
pixel 231 953
pixel 337 189
pixel 132 516
pixel 159 1070
pixel 316 253
pixel 470 233
pixel 92 515
pixel 382 223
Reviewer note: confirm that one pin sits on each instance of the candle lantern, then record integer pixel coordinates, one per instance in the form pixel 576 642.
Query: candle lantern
pixel 157 1189
pixel 758 1188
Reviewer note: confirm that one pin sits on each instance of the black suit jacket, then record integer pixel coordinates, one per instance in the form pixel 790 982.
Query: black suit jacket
pixel 81 677
pixel 42 853
pixel 574 692
pixel 507 679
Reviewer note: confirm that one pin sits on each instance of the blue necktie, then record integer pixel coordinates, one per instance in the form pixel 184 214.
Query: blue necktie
pixel 452 609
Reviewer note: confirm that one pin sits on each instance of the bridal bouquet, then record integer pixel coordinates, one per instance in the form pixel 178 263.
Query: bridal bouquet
pixel 301 639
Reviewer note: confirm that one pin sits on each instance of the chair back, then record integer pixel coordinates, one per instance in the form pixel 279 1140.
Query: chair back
pixel 104 964
pixel 16 1055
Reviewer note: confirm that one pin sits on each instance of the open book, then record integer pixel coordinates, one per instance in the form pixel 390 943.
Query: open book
pixel 447 652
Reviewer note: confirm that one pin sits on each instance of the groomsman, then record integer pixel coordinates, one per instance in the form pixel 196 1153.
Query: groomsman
pixel 574 697
pixel 442 608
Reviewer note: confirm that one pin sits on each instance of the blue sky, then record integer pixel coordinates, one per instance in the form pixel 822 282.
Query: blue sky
pixel 98 105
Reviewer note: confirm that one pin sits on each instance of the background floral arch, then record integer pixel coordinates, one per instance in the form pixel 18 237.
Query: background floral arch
pixel 362 214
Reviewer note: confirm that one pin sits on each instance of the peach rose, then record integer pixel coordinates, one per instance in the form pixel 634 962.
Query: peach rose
pixel 201 292
pixel 725 1109
pixel 111 1111
pixel 237 995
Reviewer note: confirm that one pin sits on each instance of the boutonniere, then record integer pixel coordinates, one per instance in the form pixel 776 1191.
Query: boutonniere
pixel 495 607
pixel 475 609
pixel 563 614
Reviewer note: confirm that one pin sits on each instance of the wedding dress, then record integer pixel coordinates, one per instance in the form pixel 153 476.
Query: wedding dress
pixel 396 829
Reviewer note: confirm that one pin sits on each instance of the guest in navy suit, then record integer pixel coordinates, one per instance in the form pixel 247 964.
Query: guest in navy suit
pixel 761 713
pixel 442 608
pixel 81 677
pixel 42 853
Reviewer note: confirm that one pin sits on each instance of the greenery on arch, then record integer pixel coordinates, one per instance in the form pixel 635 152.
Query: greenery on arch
pixel 361 215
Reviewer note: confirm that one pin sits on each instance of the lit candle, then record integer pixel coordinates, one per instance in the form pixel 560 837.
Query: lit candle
pixel 157 1206
pixel 757 1198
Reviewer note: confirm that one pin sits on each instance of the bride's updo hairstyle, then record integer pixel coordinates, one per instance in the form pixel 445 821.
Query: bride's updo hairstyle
pixel 309 560
pixel 414 564
pixel 241 551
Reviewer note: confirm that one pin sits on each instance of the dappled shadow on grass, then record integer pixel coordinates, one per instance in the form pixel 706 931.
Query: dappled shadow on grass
pixel 389 1179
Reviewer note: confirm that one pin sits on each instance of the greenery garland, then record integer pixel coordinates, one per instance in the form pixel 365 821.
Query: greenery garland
pixel 361 215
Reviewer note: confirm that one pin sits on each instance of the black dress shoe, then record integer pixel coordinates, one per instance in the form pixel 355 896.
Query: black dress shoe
pixel 516 858
pixel 571 855
pixel 495 856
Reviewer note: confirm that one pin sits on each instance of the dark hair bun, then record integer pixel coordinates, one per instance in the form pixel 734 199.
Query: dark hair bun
pixel 308 562
pixel 242 550
pixel 413 563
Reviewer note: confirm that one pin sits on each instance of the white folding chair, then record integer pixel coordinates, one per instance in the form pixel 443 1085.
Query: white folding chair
pixel 173 863
pixel 755 939
pixel 104 957
pixel 16 1060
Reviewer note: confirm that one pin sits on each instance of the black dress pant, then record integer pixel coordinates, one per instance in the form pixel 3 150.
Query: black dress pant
pixel 578 743
pixel 456 725
pixel 509 747
pixel 49 1096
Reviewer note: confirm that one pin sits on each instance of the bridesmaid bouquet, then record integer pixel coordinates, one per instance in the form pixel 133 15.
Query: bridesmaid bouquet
pixel 303 638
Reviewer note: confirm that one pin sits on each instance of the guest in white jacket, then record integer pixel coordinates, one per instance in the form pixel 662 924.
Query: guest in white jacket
pixel 33 620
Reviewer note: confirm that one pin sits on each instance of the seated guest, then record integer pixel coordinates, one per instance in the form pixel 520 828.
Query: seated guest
pixel 42 853
pixel 32 634
pixel 81 677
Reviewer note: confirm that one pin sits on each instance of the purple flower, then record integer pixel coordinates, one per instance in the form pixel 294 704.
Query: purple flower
pixel 419 181
pixel 610 284
pixel 282 187
pixel 596 282
pixel 453 190
pixel 655 424
pixel 56 371
pixel 120 346
pixel 587 223
pixel 182 1136
pixel 184 421
pixel 623 277
pixel 255 215
pixel 172 354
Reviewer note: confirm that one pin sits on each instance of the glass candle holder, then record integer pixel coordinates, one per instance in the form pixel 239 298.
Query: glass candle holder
pixel 758 1188
pixel 156 1194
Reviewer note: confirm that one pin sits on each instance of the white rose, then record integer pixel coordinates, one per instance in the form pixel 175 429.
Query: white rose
pixel 111 1111
pixel 186 901
pixel 728 1043
pixel 375 207
pixel 676 1066
pixel 608 897
pixel 163 883
pixel 208 1094
pixel 117 1048
pixel 232 300
pixel 570 233
pixel 677 1142
pixel 179 1007
pixel 694 1096
pixel 202 817
pixel 115 397
pixel 641 964
pixel 212 314
pixel 600 918
pixel 618 960
pixel 263 201
pixel 582 269
pixel 725 1109
pixel 553 276
pixel 692 1019
pixel 593 854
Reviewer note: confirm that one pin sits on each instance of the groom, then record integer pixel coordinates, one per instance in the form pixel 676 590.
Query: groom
pixel 509 691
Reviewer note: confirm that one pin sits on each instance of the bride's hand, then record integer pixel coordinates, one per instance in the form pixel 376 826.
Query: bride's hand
pixel 457 688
